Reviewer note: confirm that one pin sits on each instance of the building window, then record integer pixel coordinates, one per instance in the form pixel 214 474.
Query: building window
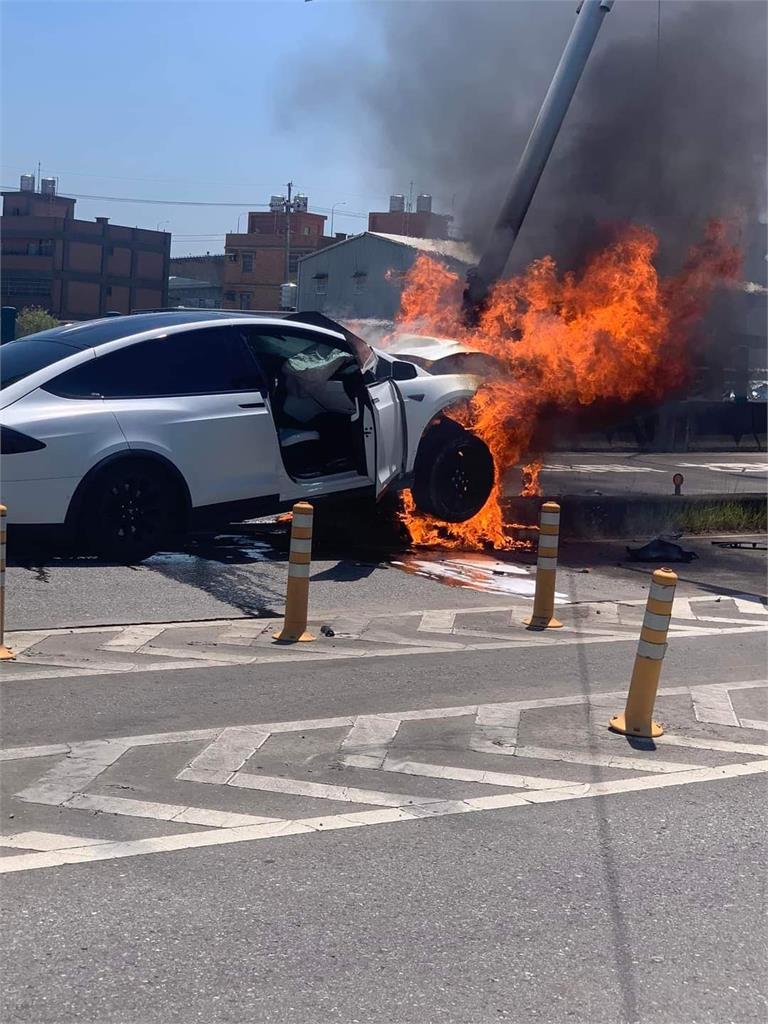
pixel 108 290
pixel 229 296
pixel 321 285
pixel 247 263
pixel 232 257
pixel 360 280
pixel 42 247
pixel 245 300
pixel 307 231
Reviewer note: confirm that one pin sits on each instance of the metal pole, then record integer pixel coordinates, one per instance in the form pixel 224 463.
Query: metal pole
pixel 333 209
pixel 589 18
pixel 288 209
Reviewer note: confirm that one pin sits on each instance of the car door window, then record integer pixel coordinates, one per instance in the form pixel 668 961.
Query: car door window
pixel 205 362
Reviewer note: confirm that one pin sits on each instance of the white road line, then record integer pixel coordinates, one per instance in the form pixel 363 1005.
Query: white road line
pixel 713 704
pixel 44 841
pixel 750 606
pixel 599 699
pixel 252 833
pixel 348 794
pixel 681 609
pixel 132 638
pixel 74 772
pixel 705 743
pixel 437 621
pixel 163 812
pixel 753 723
pixel 441 771
pixel 231 749
pixel 9 673
pixel 637 764
pixel 369 738
pixel 495 730
pixel 16 753
pixel 216 657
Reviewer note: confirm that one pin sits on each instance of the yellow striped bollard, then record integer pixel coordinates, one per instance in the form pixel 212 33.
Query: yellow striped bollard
pixel 6 654
pixel 637 719
pixel 297 597
pixel 543 616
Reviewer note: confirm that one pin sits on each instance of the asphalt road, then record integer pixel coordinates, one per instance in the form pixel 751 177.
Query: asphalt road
pixel 642 908
pixel 642 904
pixel 637 474
pixel 421 817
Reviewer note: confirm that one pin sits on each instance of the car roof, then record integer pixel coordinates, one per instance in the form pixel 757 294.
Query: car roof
pixel 93 333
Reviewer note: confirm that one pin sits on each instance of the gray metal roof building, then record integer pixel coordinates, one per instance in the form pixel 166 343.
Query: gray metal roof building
pixel 362 277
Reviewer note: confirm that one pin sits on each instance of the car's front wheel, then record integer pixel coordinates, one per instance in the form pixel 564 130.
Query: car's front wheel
pixel 130 510
pixel 453 475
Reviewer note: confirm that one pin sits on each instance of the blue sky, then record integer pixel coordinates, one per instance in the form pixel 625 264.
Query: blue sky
pixel 175 100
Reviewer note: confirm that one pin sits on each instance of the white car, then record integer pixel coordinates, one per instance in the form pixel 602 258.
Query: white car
pixel 125 431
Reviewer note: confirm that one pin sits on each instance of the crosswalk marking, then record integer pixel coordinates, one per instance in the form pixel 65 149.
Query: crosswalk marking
pixel 45 841
pixel 713 704
pixel 437 622
pixel 131 639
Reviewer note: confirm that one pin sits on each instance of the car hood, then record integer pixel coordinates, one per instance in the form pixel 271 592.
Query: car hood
pixel 427 347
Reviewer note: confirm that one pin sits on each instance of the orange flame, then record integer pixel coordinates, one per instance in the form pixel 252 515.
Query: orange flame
pixel 613 333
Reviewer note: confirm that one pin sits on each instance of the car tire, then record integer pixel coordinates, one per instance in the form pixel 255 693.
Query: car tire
pixel 130 510
pixel 454 473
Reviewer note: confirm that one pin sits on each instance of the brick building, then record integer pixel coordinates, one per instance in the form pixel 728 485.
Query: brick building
pixel 197 281
pixel 255 260
pixel 77 269
pixel 418 223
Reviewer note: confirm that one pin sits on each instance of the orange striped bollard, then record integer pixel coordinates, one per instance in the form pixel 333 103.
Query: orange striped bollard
pixel 6 654
pixel 637 719
pixel 297 598
pixel 543 616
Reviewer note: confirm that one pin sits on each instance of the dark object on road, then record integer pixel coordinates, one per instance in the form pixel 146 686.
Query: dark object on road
pixel 327 631
pixel 660 550
pixel 754 545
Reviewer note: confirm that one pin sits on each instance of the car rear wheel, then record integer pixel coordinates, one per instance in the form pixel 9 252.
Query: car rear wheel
pixel 453 475
pixel 130 511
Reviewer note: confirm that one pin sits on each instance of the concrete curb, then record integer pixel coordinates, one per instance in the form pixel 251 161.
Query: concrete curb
pixel 584 516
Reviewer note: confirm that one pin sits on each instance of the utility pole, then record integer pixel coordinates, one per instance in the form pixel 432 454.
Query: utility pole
pixel 288 212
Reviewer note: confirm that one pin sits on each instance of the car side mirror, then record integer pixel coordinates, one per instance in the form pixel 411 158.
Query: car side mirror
pixel 404 371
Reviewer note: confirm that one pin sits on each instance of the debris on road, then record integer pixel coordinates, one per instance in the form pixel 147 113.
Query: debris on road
pixel 661 550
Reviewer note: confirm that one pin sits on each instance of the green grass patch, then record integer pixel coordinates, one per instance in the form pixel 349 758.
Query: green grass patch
pixel 725 517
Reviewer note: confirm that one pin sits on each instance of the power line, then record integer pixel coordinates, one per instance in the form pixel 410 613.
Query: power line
pixel 247 205
pixel 195 181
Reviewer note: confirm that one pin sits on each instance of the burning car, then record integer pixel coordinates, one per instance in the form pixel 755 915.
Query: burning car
pixel 126 430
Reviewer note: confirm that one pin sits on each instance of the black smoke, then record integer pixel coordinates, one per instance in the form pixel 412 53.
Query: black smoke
pixel 667 128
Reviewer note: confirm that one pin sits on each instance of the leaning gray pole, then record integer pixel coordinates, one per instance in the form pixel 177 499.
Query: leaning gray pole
pixel 589 18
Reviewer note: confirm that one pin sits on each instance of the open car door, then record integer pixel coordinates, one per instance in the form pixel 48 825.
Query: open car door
pixel 384 434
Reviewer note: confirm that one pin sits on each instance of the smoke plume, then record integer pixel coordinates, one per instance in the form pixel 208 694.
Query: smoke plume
pixel 667 128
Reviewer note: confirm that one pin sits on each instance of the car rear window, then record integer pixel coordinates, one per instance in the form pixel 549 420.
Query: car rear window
pixel 18 359
pixel 203 362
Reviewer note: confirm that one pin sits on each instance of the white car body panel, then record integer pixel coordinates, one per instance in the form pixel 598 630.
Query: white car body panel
pixel 424 398
pixel 209 439
pixel 38 486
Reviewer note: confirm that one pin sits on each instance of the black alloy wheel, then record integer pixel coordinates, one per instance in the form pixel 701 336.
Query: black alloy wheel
pixel 130 511
pixel 454 474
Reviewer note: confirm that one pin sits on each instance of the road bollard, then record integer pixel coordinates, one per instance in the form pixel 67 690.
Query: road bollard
pixel 637 719
pixel 543 616
pixel 6 654
pixel 297 598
